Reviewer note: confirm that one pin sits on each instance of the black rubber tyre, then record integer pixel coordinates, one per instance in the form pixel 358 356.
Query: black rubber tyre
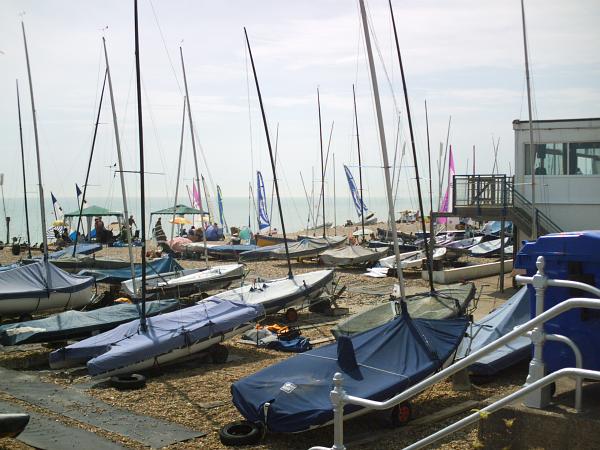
pixel 291 315
pixel 11 425
pixel 15 249
pixel 25 317
pixel 241 432
pixel 401 414
pixel 219 354
pixel 125 382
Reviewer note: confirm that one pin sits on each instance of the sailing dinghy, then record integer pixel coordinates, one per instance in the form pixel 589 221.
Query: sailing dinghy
pixel 352 256
pixel 166 264
pixel 293 395
pixel 169 337
pixel 185 282
pixel 513 313
pixel 41 286
pixel 487 248
pixel 78 324
pixel 305 248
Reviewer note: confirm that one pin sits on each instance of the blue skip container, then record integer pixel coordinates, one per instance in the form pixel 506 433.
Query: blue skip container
pixel 571 256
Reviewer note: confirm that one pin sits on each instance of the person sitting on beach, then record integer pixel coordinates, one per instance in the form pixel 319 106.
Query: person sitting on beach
pixel 212 232
pixel 65 236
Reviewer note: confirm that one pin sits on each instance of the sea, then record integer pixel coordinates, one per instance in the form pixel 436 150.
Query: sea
pixel 238 211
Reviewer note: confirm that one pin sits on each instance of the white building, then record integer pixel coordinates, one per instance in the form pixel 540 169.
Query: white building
pixel 567 170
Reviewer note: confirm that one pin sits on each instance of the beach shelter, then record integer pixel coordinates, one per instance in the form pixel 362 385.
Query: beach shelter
pixel 179 210
pixel 94 211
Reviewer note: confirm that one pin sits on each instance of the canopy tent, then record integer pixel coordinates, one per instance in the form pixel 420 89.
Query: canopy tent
pixel 179 210
pixel 94 211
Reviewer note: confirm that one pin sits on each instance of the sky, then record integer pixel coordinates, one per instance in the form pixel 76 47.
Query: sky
pixel 465 57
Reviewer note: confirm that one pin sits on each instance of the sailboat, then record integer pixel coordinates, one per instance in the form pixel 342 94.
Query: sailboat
pixel 293 396
pixel 40 286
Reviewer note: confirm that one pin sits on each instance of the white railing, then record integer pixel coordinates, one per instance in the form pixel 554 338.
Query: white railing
pixel 538 392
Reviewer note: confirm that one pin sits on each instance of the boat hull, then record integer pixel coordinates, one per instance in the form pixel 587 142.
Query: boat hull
pixel 54 301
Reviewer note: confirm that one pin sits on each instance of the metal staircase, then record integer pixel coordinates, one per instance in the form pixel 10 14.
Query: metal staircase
pixel 493 197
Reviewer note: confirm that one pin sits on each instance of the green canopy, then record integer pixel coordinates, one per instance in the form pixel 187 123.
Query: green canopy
pixel 94 211
pixel 180 210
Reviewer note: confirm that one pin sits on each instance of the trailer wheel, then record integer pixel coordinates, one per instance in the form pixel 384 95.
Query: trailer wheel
pixel 401 414
pixel 125 382
pixel 219 354
pixel 241 433
pixel 291 315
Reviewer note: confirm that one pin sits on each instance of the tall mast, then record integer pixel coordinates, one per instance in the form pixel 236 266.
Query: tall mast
pixel 414 152
pixel 24 178
pixel 322 165
pixel 531 146
pixel 334 198
pixel 362 211
pixel 264 117
pixel 138 80
pixel 178 169
pixel 431 223
pixel 121 169
pixel 87 174
pixel 386 164
pixel 189 108
pixel 39 165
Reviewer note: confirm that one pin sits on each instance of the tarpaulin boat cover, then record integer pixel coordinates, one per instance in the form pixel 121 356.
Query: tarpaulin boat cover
pixel 443 304
pixel 260 253
pixel 71 324
pixel 30 281
pixel 230 250
pixel 352 255
pixel 127 344
pixel 82 249
pixel 512 313
pixel 113 276
pixel 303 248
pixel 376 364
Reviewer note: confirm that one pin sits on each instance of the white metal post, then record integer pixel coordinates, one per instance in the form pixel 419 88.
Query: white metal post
pixel 539 398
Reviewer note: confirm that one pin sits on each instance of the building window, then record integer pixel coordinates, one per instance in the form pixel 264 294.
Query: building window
pixel 584 158
pixel 550 159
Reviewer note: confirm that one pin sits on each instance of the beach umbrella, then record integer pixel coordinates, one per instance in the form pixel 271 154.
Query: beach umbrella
pixel 180 221
pixel 58 223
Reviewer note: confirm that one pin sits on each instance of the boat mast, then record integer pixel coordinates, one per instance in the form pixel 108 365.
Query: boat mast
pixel 322 165
pixel 121 170
pixel 431 224
pixel 386 164
pixel 189 108
pixel 334 198
pixel 143 323
pixel 24 179
pixel 531 147
pixel 87 174
pixel 414 152
pixel 362 203
pixel 39 165
pixel 264 117
pixel 178 169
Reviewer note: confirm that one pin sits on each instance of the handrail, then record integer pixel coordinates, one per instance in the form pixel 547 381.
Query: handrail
pixel 542 217
pixel 579 374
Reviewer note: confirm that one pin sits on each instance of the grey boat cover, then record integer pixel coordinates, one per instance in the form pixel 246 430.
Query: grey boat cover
pixel 464 244
pixel 30 281
pixel 446 303
pixel 332 241
pixel 352 255
pixel 259 253
pixel 305 248
pixel 74 324
pixel 127 344
pixel 514 312
pixel 82 249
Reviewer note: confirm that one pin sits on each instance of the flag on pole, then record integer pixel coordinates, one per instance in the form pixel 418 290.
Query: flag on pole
pixel 79 192
pixel 55 205
pixel 359 204
pixel 263 216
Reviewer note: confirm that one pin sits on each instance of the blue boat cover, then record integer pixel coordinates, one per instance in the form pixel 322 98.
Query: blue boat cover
pixel 70 324
pixel 115 276
pixel 82 249
pixel 128 344
pixel 218 250
pixel 376 364
pixel 512 313
pixel 30 281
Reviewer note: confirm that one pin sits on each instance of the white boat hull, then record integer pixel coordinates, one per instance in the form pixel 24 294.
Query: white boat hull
pixel 55 301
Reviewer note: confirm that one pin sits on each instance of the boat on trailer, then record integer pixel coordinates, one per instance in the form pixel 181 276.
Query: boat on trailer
pixel 293 395
pixel 169 337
